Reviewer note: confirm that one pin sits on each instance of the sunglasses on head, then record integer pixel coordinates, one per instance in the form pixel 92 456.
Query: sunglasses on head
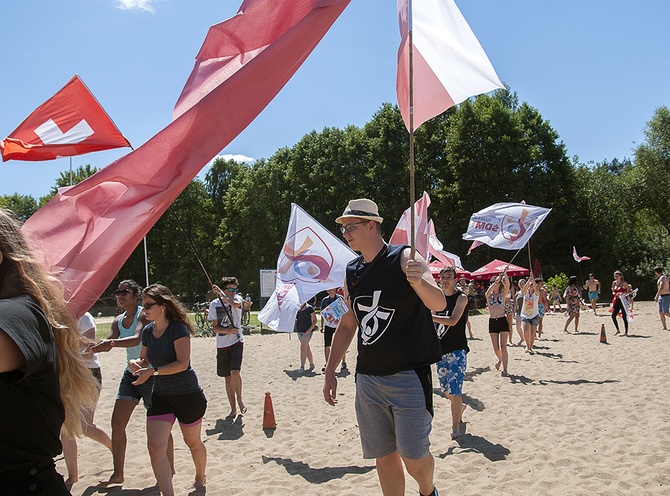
pixel 122 291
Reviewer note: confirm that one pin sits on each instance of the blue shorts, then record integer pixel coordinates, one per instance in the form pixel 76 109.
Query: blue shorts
pixel 131 392
pixel 451 372
pixel 540 310
pixel 394 415
pixel 664 303
pixel 593 295
pixel 533 322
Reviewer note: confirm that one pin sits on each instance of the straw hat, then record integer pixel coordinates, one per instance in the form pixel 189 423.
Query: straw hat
pixel 361 209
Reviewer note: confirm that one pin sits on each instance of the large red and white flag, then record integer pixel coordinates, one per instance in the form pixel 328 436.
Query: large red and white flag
pixel 401 234
pixel 449 63
pixel 505 225
pixel 577 257
pixel 70 123
pixel 312 260
pixel 87 232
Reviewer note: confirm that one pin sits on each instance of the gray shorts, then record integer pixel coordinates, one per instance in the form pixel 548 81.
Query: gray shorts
pixel 393 415
pixel 664 303
pixel 131 392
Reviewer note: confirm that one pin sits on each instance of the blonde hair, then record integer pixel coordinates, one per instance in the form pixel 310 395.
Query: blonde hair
pixel 174 310
pixel 21 274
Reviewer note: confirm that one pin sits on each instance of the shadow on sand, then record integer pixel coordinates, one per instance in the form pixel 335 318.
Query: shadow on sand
pixel 316 475
pixel 229 428
pixel 477 444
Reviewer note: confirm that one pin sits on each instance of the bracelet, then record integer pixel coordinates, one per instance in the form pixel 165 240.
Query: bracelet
pixel 111 343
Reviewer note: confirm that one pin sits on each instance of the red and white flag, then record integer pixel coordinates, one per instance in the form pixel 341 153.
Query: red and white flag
pixel 70 123
pixel 577 257
pixel 449 63
pixel 505 225
pixel 401 234
pixel 312 260
pixel 436 249
pixel 87 232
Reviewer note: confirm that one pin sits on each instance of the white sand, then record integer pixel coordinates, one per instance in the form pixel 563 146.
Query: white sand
pixel 578 417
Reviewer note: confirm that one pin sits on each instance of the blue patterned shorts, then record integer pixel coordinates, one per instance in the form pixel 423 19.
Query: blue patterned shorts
pixel 451 372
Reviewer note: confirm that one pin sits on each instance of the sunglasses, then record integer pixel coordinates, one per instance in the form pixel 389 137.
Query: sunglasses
pixel 233 290
pixel 148 306
pixel 350 227
pixel 119 292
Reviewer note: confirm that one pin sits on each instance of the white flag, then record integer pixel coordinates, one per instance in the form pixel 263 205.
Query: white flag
pixel 505 225
pixel 449 63
pixel 312 260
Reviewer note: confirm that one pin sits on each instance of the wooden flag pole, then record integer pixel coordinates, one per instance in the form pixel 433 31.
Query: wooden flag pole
pixel 411 132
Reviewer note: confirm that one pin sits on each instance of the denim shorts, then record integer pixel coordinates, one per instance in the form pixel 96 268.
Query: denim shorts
pixel 533 322
pixel 451 372
pixel 131 392
pixel 664 303
pixel 393 414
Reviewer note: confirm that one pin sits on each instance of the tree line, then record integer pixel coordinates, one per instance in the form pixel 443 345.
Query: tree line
pixel 489 149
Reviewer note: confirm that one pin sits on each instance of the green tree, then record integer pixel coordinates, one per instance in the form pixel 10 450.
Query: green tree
pixel 78 175
pixel 22 205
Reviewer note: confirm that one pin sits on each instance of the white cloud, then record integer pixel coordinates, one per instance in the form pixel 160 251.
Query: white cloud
pixel 135 5
pixel 237 157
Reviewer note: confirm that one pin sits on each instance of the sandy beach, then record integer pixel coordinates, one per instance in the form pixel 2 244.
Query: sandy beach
pixel 577 417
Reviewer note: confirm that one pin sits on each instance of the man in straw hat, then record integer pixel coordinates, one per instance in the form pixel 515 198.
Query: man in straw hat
pixel 390 298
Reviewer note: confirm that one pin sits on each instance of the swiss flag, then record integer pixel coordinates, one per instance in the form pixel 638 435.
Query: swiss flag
pixel 71 122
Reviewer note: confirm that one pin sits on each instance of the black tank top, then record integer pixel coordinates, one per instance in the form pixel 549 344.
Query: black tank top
pixel 395 328
pixel 453 338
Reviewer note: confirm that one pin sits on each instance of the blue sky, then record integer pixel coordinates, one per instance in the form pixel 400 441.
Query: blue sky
pixel 595 69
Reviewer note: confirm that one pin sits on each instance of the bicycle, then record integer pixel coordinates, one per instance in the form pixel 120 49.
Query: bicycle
pixel 202 323
pixel 246 312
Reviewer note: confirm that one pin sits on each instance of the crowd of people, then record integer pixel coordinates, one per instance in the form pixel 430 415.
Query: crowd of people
pixel 403 321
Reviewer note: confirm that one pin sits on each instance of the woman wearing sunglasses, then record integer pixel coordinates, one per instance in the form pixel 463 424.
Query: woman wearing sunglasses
pixel 126 333
pixel 176 395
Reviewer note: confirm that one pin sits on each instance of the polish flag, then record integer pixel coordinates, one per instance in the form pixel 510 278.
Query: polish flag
pixel 401 234
pixel 449 63
pixel 70 123
pixel 577 257
pixel 86 232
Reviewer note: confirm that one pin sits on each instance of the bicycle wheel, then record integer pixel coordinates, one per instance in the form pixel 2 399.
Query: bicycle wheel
pixel 246 315
pixel 199 321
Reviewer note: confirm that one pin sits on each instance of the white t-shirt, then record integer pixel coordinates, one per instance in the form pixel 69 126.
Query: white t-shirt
pixel 84 324
pixel 218 314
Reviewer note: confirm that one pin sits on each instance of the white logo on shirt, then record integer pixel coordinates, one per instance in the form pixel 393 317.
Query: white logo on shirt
pixel 376 320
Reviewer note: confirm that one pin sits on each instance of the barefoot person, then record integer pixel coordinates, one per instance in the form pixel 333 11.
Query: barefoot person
pixel 86 326
pixel 592 285
pixel 126 333
pixel 662 296
pixel 44 384
pixel 305 323
pixel 389 297
pixel 530 314
pixel 573 296
pixel 454 345
pixel 225 314
pixel 176 394
pixel 498 324
pixel 620 291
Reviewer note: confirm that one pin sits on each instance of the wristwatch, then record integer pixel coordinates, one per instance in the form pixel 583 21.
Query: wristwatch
pixel 156 371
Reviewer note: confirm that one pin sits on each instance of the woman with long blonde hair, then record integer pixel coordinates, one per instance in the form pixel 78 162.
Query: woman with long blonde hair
pixel 44 382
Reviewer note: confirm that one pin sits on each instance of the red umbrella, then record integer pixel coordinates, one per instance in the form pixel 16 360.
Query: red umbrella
pixel 436 266
pixel 496 267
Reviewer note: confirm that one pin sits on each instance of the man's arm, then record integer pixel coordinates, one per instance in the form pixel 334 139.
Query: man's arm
pixel 422 281
pixel 345 332
pixel 455 316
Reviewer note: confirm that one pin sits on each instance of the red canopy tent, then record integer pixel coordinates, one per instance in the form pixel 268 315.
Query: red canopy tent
pixel 496 267
pixel 436 266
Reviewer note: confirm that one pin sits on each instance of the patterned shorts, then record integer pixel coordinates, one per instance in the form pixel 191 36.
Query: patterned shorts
pixel 451 372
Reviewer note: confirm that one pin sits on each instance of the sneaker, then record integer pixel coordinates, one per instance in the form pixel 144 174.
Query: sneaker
pixel 301 370
pixel 344 367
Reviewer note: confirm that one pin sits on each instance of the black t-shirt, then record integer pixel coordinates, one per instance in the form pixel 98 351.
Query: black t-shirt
pixel 31 411
pixel 453 338
pixel 395 328
pixel 303 319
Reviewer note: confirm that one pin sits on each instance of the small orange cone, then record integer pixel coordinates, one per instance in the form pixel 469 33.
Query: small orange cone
pixel 603 336
pixel 269 413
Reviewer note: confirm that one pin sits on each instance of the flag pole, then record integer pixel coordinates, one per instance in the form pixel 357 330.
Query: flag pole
pixel 411 132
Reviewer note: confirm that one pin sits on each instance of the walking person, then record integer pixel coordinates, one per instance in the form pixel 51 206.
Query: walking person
pixel 225 314
pixel 592 285
pixel 176 394
pixel 620 291
pixel 530 314
pixel 44 383
pixel 573 296
pixel 498 324
pixel 518 306
pixel 126 333
pixel 305 323
pixel 454 345
pixel 390 298
pixel 662 295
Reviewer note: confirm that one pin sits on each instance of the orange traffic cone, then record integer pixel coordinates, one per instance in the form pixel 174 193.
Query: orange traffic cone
pixel 603 336
pixel 269 413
